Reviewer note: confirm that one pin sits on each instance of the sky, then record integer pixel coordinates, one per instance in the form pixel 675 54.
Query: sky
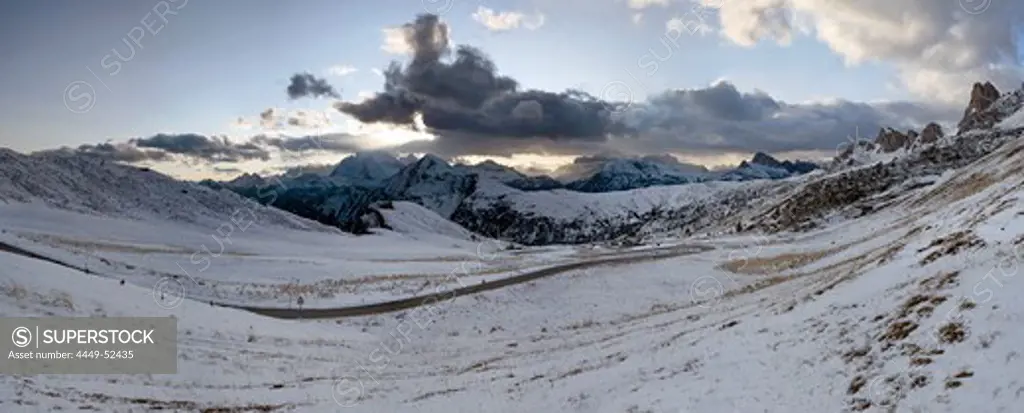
pixel 201 88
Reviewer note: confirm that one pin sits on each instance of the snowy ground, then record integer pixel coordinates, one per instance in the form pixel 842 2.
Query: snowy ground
pixel 243 262
pixel 913 309
pixel 921 316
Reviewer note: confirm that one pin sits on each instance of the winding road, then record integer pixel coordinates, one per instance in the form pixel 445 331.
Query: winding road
pixel 431 298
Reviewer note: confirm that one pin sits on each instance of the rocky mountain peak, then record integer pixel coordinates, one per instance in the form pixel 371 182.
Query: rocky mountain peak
pixel 976 115
pixel 489 164
pixel 247 179
pixel 762 158
pixel 431 161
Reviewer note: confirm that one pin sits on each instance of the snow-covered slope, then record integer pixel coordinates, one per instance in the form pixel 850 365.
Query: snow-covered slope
pixel 418 222
pixel 88 185
pixel 245 262
pixel 569 217
pixel 853 190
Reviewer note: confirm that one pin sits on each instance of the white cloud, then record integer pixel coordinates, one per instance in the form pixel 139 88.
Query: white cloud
pixel 394 41
pixel 508 20
pixel 688 24
pixel 938 47
pixel 637 18
pixel 643 4
pixel 341 70
pixel 278 119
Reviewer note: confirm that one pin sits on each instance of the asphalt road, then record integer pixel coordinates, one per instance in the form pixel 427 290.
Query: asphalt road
pixel 431 298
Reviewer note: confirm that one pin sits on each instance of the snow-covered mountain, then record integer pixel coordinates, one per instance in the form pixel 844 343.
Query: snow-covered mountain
pixel 764 166
pixel 494 172
pixel 493 199
pixel 432 183
pixel 93 186
pixel 621 174
pixel 368 168
pixel 415 221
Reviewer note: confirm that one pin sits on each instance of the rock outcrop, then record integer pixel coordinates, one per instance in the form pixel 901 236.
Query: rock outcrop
pixel 890 139
pixel 977 115
pixel 931 133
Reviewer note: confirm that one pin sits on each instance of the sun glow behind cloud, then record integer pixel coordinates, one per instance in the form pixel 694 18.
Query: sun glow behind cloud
pixel 377 135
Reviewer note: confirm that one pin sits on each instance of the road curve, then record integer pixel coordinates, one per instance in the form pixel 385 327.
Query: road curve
pixel 428 299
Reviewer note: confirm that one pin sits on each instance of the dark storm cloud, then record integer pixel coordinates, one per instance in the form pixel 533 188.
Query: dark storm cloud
pixel 712 120
pixel 122 152
pixel 207 148
pixel 460 93
pixel 720 119
pixel 194 148
pixel 722 100
pixel 340 143
pixel 460 144
pixel 307 85
pixel 473 110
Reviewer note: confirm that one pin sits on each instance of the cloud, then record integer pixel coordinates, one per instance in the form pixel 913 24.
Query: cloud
pixel 711 121
pixel 216 149
pixel 719 118
pixel 227 170
pixel 208 148
pixel 341 143
pixel 341 70
pixel 418 35
pixel 307 85
pixel 694 25
pixel 276 118
pixel 309 119
pixel 122 152
pixel 270 118
pixel 508 20
pixel 322 169
pixel 643 4
pixel 939 47
pixel 471 109
pixel 460 93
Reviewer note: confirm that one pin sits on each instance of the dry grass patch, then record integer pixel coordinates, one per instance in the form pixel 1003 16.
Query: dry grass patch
pixel 898 330
pixel 856 384
pixel 952 332
pixel 106 246
pixel 957 189
pixel 776 264
pixel 951 244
